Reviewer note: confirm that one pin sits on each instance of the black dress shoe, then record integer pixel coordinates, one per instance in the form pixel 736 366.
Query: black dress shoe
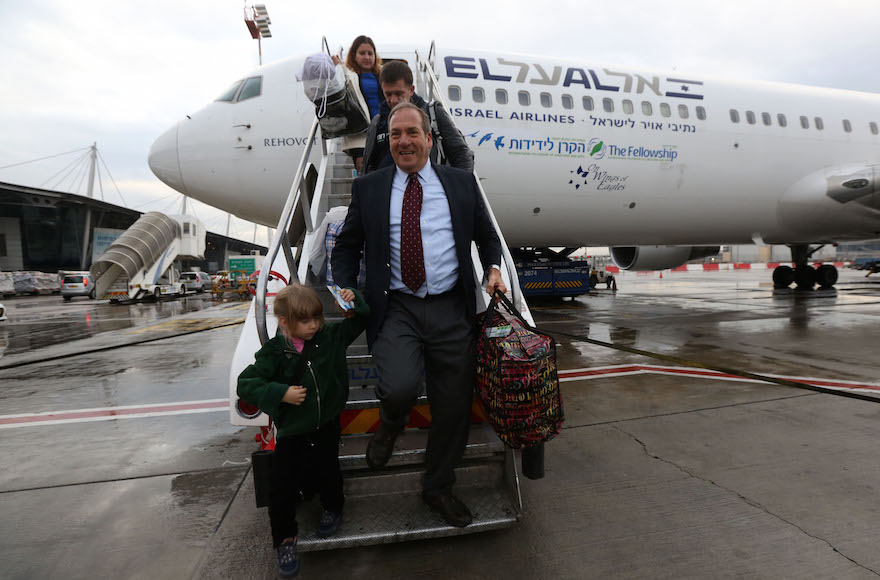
pixel 450 507
pixel 381 445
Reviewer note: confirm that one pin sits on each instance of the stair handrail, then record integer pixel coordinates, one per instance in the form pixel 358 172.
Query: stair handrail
pixel 425 67
pixel 280 239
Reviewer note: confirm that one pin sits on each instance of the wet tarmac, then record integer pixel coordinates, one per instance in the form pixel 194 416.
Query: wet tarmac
pixel 117 457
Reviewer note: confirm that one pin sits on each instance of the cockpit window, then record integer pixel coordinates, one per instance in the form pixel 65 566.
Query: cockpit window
pixel 229 93
pixel 252 88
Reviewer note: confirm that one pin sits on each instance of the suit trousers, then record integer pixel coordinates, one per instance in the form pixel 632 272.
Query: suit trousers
pixel 429 341
pixel 301 466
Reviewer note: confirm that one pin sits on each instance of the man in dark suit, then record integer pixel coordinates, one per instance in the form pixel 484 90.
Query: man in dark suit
pixel 414 223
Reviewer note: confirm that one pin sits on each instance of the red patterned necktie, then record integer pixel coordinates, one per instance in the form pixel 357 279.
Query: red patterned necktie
pixel 412 260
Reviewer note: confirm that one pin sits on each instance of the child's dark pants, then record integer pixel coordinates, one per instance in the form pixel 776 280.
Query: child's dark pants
pixel 307 463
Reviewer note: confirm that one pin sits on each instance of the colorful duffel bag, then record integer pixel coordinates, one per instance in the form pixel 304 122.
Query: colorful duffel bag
pixel 517 382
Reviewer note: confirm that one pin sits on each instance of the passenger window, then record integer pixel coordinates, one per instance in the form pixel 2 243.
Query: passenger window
pixel 525 99
pixel 734 115
pixel 229 93
pixel 567 102
pixel 847 126
pixel 805 123
pixel 819 124
pixel 628 107
pixel 683 111
pixel 588 103
pixel 701 113
pixel 479 94
pixel 501 96
pixel 750 117
pixel 186 227
pixel 873 126
pixel 546 100
pixel 765 118
pixel 647 109
pixel 454 93
pixel 780 118
pixel 252 88
pixel 665 110
pixel 608 105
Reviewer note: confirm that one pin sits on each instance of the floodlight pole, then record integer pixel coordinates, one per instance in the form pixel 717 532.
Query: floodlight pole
pixel 257 20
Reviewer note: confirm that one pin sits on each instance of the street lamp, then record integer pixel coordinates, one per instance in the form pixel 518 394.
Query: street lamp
pixel 257 20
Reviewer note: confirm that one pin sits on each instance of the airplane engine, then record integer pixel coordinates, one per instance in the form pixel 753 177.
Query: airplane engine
pixel 658 257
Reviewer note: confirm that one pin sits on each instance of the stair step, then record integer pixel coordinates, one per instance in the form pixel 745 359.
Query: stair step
pixel 409 449
pixel 337 199
pixel 401 516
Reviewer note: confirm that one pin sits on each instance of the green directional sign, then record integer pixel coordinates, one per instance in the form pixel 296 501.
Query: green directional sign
pixel 246 263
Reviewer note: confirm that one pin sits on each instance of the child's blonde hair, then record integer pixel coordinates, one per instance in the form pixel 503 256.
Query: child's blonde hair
pixel 298 303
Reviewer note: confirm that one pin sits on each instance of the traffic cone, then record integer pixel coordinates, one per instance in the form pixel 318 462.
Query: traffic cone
pixel 614 284
pixel 661 274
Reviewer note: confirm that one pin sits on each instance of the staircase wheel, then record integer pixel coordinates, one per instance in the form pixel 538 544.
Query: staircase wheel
pixel 255 275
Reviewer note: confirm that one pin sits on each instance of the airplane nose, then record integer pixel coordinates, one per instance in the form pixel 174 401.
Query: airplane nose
pixel 164 161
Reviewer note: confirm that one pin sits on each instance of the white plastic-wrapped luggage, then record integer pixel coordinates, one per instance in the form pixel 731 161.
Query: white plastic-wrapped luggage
pixel 336 103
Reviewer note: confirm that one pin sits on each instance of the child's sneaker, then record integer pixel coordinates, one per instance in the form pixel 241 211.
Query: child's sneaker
pixel 329 524
pixel 288 560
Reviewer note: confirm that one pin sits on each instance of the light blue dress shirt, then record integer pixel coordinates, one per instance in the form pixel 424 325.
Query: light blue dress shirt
pixel 438 243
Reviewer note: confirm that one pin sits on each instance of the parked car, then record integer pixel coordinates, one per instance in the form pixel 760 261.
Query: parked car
pixel 77 285
pixel 198 281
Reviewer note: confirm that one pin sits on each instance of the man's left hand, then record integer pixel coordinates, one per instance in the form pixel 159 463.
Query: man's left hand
pixel 495 282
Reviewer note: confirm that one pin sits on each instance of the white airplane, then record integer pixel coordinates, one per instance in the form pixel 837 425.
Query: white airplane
pixel 661 167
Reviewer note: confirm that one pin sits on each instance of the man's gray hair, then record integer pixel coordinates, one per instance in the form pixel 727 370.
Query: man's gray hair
pixel 426 122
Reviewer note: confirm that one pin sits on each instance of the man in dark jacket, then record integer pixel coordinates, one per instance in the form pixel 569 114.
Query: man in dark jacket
pixel 421 295
pixel 396 80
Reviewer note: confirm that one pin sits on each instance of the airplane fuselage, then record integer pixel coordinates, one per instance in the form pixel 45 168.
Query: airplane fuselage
pixel 574 153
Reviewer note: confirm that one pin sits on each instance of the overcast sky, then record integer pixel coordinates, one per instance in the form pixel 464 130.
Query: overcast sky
pixel 120 72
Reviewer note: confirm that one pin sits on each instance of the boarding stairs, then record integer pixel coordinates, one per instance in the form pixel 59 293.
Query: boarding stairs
pixel 384 505
pixel 139 263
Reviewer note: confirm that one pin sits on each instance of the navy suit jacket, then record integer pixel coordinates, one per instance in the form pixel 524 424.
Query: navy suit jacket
pixel 366 232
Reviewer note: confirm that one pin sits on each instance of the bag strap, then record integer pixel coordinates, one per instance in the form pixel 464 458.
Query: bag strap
pixel 435 131
pixel 508 305
pixel 304 356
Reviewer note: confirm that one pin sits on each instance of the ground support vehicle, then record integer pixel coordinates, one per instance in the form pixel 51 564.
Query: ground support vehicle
pixel 599 273
pixel 554 277
pixel 231 282
pixel 140 263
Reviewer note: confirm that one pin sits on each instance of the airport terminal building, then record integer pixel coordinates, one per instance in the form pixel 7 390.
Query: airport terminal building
pixel 48 231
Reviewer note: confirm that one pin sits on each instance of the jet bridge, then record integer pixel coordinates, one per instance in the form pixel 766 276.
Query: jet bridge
pixel 139 263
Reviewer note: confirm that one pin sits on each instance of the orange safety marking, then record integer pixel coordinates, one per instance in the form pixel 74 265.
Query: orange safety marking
pixel 367 420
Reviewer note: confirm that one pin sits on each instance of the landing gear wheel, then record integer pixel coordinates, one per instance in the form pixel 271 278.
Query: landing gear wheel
pixel 826 275
pixel 805 277
pixel 783 276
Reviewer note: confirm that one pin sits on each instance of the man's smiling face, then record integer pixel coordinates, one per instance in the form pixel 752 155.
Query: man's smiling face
pixel 410 144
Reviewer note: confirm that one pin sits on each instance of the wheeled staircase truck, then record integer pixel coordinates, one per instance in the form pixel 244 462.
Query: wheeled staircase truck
pixel 140 263
pixel 383 505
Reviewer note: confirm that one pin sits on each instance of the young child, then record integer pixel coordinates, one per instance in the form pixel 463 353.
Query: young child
pixel 362 64
pixel 305 409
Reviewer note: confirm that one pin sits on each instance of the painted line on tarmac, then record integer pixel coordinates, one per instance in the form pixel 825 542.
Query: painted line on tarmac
pixel 113 413
pixel 222 405
pixel 626 370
